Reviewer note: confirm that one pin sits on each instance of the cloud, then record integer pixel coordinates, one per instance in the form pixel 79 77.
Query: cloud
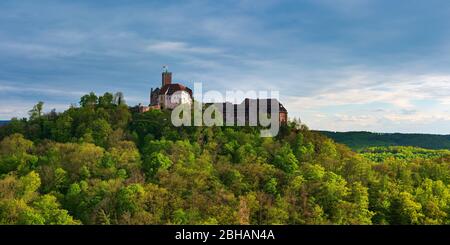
pixel 399 90
pixel 404 103
pixel 344 64
pixel 40 90
pixel 170 48
pixel 19 109
pixel 33 50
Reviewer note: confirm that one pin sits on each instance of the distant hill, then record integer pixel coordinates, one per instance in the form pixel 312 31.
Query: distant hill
pixel 3 122
pixel 361 140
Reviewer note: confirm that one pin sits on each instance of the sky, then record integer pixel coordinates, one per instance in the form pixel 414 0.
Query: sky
pixel 340 65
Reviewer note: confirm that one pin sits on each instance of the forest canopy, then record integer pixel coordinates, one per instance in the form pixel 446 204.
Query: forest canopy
pixel 102 163
pixel 362 140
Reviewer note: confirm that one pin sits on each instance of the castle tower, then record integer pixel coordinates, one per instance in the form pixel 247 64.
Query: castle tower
pixel 151 96
pixel 166 76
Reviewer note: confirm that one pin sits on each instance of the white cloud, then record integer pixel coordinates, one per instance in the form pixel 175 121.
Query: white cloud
pixel 19 109
pixel 406 100
pixel 170 48
pixel 399 91
pixel 39 90
pixel 35 50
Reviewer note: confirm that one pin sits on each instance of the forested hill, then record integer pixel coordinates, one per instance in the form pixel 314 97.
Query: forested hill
pixel 101 163
pixel 360 140
pixel 3 122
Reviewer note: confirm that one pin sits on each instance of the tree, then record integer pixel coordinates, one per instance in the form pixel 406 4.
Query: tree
pixel 121 117
pixel 89 100
pixel 129 199
pixel 271 186
pixel 15 126
pixel 15 154
pixel 62 129
pixel 22 204
pixel 405 210
pixel 154 162
pixel 36 112
pixel 106 100
pixel 119 98
pixel 102 163
pixel 100 130
pixel 355 210
pixel 285 159
pixel 49 209
pixel 434 198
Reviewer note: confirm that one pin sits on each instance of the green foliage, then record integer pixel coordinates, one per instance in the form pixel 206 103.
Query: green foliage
pixel 89 100
pixel 380 154
pixel 155 162
pixel 285 159
pixel 362 140
pixel 101 163
pixel 20 203
pixel 271 186
pixel 15 154
pixel 36 112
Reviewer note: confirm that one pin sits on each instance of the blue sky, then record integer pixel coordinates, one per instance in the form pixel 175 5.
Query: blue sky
pixel 338 64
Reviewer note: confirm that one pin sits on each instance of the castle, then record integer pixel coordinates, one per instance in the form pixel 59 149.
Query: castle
pixel 170 95
pixel 241 114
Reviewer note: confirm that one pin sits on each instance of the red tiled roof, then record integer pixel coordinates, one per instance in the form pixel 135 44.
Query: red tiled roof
pixel 169 89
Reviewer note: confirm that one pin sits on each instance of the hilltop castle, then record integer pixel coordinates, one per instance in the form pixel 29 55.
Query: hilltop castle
pixel 170 95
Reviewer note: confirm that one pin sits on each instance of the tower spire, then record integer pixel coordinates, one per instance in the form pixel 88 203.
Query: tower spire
pixel 166 76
